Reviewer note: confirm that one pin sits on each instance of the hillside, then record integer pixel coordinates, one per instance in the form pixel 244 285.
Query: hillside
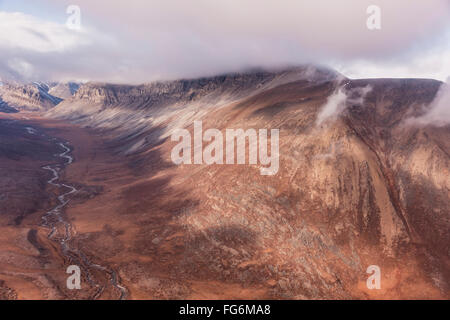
pixel 357 185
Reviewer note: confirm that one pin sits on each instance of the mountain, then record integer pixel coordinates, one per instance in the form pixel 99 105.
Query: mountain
pixel 356 190
pixel 36 96
pixel 358 185
pixel 171 104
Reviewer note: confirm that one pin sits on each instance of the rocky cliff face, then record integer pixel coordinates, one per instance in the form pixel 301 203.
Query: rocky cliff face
pixel 28 97
pixel 357 185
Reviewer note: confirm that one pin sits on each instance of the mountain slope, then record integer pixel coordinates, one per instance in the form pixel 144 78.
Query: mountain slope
pixel 28 97
pixel 356 187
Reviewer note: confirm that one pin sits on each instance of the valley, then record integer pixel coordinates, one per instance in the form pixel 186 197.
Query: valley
pixel 360 188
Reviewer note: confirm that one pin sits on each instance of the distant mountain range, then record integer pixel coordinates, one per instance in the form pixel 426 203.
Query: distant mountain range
pixel 36 96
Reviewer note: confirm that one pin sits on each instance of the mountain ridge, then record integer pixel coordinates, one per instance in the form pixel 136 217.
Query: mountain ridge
pixel 361 187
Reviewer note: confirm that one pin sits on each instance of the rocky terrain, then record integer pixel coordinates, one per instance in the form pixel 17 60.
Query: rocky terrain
pixel 358 185
pixel 30 97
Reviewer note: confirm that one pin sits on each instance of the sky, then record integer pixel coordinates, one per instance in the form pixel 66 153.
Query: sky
pixel 136 41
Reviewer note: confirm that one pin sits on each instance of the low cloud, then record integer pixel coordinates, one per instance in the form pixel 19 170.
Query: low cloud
pixel 139 41
pixel 439 110
pixel 339 100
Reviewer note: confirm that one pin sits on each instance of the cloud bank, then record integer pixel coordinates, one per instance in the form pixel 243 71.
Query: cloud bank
pixel 35 49
pixel 139 41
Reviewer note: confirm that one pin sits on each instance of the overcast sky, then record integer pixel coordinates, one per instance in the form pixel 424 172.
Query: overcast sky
pixel 138 41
